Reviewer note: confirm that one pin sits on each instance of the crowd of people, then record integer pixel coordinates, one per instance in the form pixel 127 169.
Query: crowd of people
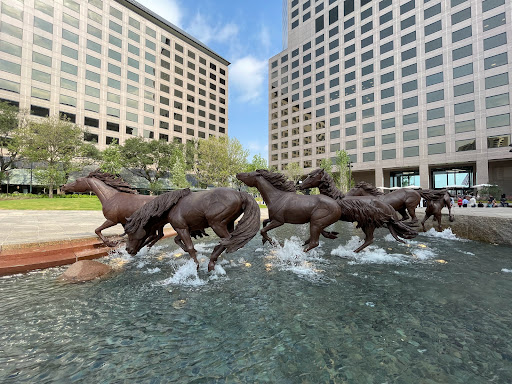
pixel 464 201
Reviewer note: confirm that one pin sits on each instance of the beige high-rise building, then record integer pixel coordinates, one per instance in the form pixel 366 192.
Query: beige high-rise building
pixel 416 92
pixel 112 66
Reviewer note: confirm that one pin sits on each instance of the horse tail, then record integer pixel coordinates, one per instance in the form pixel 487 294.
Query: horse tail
pixel 429 194
pixel 400 229
pixel 364 212
pixel 247 227
pixel 154 210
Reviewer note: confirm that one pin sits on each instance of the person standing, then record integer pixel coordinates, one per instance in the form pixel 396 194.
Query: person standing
pixel 472 202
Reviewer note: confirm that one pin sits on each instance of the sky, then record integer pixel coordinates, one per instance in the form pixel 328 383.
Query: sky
pixel 247 34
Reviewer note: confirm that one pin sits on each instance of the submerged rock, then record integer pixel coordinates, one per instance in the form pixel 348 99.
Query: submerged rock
pixel 85 270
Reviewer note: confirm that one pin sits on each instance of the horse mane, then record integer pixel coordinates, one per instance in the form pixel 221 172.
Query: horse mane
pixel 367 187
pixel 153 211
pixel 115 182
pixel 278 180
pixel 328 187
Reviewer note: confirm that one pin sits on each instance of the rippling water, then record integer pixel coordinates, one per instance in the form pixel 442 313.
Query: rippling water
pixel 436 310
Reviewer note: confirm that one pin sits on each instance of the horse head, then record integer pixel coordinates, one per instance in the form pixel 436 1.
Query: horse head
pixel 313 179
pixel 137 236
pixel 248 178
pixel 79 185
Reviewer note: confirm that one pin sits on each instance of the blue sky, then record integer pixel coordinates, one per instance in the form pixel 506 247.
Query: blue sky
pixel 246 33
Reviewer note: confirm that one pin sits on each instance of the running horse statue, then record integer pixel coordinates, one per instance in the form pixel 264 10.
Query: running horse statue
pixel 118 199
pixel 368 211
pixel 434 208
pixel 404 200
pixel 190 213
pixel 286 206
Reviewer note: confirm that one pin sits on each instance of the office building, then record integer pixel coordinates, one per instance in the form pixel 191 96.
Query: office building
pixel 112 66
pixel 416 92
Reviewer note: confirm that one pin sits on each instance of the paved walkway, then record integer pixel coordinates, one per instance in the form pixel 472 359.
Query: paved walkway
pixel 25 227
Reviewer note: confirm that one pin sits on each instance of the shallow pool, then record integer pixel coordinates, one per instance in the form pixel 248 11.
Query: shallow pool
pixel 437 310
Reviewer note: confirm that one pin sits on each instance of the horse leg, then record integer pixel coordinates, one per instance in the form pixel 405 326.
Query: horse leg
pixel 412 212
pixel 438 218
pixel 271 225
pixel 224 233
pixel 403 211
pixel 105 225
pixel 427 215
pixel 188 247
pixel 368 232
pixel 314 236
pixel 265 222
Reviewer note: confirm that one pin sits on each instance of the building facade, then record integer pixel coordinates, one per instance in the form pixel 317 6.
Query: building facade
pixel 416 92
pixel 112 66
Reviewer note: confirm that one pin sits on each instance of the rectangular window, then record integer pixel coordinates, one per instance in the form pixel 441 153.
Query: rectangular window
pixel 115 27
pixel 432 11
pixel 466 107
pixel 437 130
pixel 409 38
pixel 92 30
pixel 462 52
pixel 495 21
pixel 409 86
pixel 43 77
pixel 409 70
pixel 498 141
pixel 388 139
pixel 68 84
pixel 410 119
pixel 435 113
pixel 410 102
pixel 462 34
pixel 497 101
pixel 38 58
pixel 93 46
pixel 93 76
pixel 43 42
pixel 386 32
pixel 496 81
pixel 433 62
pixel 43 24
pixel 114 69
pixel 91 91
pixel 67 100
pixel 433 45
pixel 387 92
pixel 386 47
pixel 69 68
pixel 387 77
pixel 464 126
pixel 463 89
pixel 498 121
pixel 411 151
pixel 487 5
pixel 496 61
pixel 495 41
pixel 437 148
pixel 409 22
pixel 368 142
pixel 463 70
pixel 387 62
pixel 368 156
pixel 7 66
pixel 409 6
pixel 460 16
pixel 411 135
pixel 433 28
pixel 388 123
pixel 91 60
pixel 435 96
pixel 435 78
pixel 385 17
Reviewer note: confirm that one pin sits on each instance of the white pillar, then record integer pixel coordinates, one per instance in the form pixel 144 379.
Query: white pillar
pixel 424 175
pixel 482 171
pixel 379 177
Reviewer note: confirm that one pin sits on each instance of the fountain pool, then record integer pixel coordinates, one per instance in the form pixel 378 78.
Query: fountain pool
pixel 436 310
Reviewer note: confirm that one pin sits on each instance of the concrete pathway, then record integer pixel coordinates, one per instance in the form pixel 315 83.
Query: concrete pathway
pixel 34 227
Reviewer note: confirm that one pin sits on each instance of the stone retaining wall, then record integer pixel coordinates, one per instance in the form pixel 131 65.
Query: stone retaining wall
pixel 494 230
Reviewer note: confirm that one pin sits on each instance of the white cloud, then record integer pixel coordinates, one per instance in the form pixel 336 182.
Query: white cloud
pixel 265 39
pixel 170 10
pixel 206 33
pixel 247 77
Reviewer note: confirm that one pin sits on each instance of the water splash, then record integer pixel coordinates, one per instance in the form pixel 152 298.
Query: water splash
pixel 376 255
pixel 291 257
pixel 446 234
pixel 505 270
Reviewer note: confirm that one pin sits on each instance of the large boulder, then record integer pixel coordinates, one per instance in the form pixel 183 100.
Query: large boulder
pixel 85 270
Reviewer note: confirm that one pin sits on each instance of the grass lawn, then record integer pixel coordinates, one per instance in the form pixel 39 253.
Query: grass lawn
pixel 83 203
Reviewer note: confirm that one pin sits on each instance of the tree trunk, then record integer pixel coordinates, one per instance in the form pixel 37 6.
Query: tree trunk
pixel 50 191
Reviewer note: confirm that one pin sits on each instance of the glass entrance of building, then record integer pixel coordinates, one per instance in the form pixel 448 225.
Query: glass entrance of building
pixel 457 179
pixel 403 179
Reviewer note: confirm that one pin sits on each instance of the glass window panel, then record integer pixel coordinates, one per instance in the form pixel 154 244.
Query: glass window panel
pixel 39 58
pixel 498 141
pixel 10 86
pixel 43 77
pixel 409 70
pixel 43 7
pixel 11 30
pixel 495 41
pixel 67 100
pixel 409 86
pixel 93 76
pixel 11 49
pixel 411 135
pixel 462 34
pixel 496 61
pixel 435 113
pixel 43 42
pixel 465 51
pixel 493 22
pixel 433 28
pixel 433 45
pixel 387 108
pixel 368 141
pixel 437 130
pixel 68 84
pixel 496 81
pixel 409 22
pixel 43 24
pixel 463 89
pixel 432 11
pixel 388 123
pixel 496 121
pixel 463 70
pixel 40 93
pixel 437 148
pixel 7 66
pixel 410 102
pixel 115 27
pixel 92 30
pixel 69 52
pixel 410 119
pixel 461 16
pixel 435 78
pixel 13 12
pixel 70 20
pixel 91 91
pixel 435 96
pixel 94 16
pixel 464 126
pixel 93 46
pixel 466 107
pixel 388 139
pixel 497 101
pixel 487 5
pixel 69 68
pixel 434 61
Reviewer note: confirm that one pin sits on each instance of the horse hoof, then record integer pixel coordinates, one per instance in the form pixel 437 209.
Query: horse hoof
pixel 211 267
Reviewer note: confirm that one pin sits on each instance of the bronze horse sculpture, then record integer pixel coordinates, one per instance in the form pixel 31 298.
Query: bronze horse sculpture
pixel 369 212
pixel 402 200
pixel 434 208
pixel 189 212
pixel 118 199
pixel 286 206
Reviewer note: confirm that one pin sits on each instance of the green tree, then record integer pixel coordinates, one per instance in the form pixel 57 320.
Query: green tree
pixel 55 144
pixel 112 159
pixel 190 154
pixel 218 160
pixel 344 179
pixel 151 160
pixel 294 172
pixel 258 162
pixel 178 171
pixel 11 119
